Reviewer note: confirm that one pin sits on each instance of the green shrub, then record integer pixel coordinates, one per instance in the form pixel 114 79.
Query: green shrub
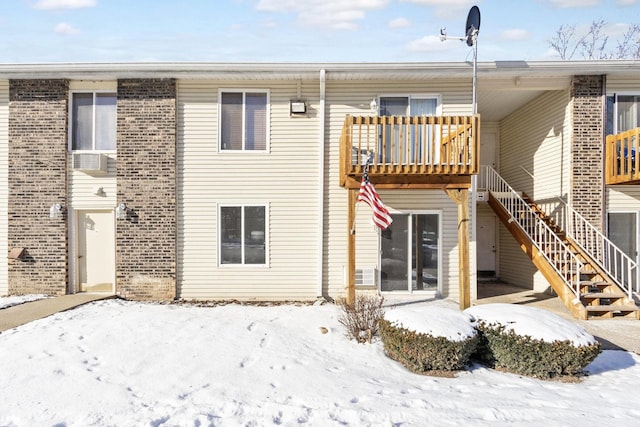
pixel 525 355
pixel 421 352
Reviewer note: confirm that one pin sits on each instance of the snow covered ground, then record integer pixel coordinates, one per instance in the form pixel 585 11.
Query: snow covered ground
pixel 19 299
pixel 125 363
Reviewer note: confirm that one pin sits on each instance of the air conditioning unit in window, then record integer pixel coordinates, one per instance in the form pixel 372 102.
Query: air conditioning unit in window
pixel 366 277
pixel 90 163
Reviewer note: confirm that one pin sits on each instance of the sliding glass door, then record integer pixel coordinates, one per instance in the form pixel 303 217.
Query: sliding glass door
pixel 410 255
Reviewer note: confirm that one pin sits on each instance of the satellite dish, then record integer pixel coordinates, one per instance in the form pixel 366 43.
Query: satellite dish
pixel 473 25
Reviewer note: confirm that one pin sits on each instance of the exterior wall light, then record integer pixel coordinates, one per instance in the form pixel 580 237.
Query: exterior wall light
pixel 297 107
pixel 56 211
pixel 373 106
pixel 122 211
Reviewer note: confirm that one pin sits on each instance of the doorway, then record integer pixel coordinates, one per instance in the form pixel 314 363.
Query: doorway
pixel 410 253
pixel 486 241
pixel 95 251
pixel 622 230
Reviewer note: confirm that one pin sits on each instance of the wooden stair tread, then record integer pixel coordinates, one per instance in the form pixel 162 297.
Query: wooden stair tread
pixel 603 295
pixel 605 308
pixel 595 283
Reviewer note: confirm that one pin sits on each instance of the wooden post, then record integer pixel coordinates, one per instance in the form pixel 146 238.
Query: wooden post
pixel 351 247
pixel 461 197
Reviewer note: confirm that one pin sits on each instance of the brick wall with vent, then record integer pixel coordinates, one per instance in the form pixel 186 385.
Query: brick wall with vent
pixel 146 183
pixel 37 180
pixel 587 152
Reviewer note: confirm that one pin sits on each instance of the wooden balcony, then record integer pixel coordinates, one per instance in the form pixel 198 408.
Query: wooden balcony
pixel 622 162
pixel 410 152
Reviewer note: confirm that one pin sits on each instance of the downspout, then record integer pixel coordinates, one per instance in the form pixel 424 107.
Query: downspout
pixel 321 172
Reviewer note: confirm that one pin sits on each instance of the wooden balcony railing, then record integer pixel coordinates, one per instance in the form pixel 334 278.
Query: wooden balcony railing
pixel 622 162
pixel 435 150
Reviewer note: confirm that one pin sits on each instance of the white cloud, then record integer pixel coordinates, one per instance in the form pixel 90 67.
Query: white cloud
pixel 626 3
pixel 574 3
pixel 446 8
pixel 399 23
pixel 515 34
pixel 428 44
pixel 63 4
pixel 66 29
pixel 335 14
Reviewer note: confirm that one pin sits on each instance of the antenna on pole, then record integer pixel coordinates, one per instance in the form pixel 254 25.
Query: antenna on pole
pixel 472 28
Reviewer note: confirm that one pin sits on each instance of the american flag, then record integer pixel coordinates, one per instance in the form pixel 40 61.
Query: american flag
pixel 368 194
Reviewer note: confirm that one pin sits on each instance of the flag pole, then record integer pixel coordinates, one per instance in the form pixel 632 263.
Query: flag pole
pixel 365 176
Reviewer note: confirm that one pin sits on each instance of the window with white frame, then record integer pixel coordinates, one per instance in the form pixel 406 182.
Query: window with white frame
pixel 243 235
pixel 623 113
pixel 93 121
pixel 243 120
pixel 420 142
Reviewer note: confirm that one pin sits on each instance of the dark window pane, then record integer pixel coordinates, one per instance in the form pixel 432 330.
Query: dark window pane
pixel 231 121
pixel 105 121
pixel 230 233
pixel 82 126
pixel 609 115
pixel 256 121
pixel 254 237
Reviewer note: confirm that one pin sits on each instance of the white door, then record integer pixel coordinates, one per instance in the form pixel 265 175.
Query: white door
pixel 488 142
pixel 486 241
pixel 96 251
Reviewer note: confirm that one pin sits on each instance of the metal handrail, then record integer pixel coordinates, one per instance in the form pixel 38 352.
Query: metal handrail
pixel 620 267
pixel 556 252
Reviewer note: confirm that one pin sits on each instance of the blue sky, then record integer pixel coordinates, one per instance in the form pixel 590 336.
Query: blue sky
pixel 35 31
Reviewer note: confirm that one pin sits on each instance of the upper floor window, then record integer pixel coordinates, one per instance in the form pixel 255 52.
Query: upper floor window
pixel 623 113
pixel 390 139
pixel 409 105
pixel 93 121
pixel 243 121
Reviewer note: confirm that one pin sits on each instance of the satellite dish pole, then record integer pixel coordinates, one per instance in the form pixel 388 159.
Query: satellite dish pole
pixel 472 28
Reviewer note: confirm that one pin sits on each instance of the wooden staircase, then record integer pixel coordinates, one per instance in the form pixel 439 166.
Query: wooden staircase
pixel 597 296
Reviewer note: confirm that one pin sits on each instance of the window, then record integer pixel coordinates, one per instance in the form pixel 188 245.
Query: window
pixel 623 113
pixel 243 235
pixel 424 105
pixel 243 121
pixel 93 121
pixel 413 106
pixel 410 253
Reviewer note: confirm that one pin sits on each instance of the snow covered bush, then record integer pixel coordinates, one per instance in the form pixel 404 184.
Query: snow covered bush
pixel 530 341
pixel 428 338
pixel 361 319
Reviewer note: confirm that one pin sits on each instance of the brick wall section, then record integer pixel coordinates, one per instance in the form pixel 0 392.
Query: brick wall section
pixel 146 183
pixel 588 148
pixel 37 179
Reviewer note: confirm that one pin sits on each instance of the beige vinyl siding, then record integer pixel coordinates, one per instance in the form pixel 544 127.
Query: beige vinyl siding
pixel 536 139
pixel 534 158
pixel 623 198
pixel 622 84
pixel 349 97
pixel 286 180
pixel 4 184
pixel 82 187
